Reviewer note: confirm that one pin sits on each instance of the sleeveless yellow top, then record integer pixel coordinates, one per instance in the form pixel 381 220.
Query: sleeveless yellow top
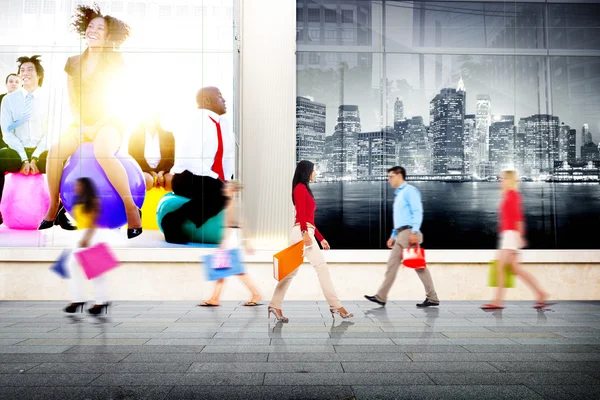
pixel 84 219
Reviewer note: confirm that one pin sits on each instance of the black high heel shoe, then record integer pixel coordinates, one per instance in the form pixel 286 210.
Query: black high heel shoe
pixel 132 233
pixel 73 307
pixel 98 308
pixel 135 232
pixel 60 219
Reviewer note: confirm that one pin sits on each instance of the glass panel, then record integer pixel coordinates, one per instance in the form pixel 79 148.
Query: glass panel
pixel 201 44
pixel 343 23
pixel 574 26
pixel 576 99
pixel 432 24
pixel 340 127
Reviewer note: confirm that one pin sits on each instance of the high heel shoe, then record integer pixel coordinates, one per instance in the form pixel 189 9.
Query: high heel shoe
pixel 341 312
pixel 277 313
pixel 98 308
pixel 60 219
pixel 135 232
pixel 73 307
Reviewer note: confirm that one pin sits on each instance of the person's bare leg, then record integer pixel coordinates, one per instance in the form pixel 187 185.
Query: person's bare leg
pixel 214 299
pixel 149 181
pixel 106 144
pixel 57 155
pixel 528 278
pixel 168 179
pixel 250 285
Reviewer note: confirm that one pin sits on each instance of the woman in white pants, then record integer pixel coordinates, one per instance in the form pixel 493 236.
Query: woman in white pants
pixel 305 230
pixel 86 212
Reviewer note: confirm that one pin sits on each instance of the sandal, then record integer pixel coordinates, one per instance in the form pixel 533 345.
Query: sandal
pixel 207 304
pixel 491 306
pixel 252 304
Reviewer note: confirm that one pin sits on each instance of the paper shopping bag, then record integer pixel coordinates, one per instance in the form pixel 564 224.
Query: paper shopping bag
pixel 414 257
pixel 96 260
pixel 60 266
pixel 509 276
pixel 288 260
pixel 223 263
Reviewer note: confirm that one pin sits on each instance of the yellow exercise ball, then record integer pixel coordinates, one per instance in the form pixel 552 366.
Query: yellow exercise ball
pixel 153 196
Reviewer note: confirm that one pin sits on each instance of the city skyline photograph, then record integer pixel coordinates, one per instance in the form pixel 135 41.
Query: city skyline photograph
pixel 383 83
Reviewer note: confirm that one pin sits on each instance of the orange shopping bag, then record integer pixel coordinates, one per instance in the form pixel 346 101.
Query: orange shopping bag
pixel 413 257
pixel 288 260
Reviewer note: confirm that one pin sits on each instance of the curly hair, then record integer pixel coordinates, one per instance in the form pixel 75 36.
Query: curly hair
pixel 37 63
pixel 118 31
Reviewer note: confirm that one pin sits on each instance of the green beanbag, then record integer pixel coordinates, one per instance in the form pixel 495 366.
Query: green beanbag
pixel 210 232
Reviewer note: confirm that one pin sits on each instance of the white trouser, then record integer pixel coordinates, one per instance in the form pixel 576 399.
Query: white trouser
pixel 78 277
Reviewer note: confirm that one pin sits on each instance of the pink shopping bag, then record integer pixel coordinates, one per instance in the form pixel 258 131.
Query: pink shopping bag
pixel 96 260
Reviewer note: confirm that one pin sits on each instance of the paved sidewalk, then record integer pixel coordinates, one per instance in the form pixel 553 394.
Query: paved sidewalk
pixel 174 350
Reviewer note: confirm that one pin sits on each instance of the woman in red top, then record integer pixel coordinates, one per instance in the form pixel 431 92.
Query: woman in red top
pixel 305 230
pixel 512 238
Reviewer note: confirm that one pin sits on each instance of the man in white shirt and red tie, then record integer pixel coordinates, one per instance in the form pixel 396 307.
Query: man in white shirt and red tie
pixel 204 161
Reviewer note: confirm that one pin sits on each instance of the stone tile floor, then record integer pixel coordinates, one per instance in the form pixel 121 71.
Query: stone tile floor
pixel 174 350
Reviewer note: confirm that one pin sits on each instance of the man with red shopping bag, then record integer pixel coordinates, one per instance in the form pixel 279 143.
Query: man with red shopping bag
pixel 406 238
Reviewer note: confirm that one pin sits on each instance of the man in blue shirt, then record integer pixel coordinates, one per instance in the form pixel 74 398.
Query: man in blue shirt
pixel 408 217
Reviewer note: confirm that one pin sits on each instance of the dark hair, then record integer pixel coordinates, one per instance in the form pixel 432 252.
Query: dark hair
pixel 11 74
pixel 117 30
pixel 302 176
pixel 35 60
pixel 89 198
pixel 398 170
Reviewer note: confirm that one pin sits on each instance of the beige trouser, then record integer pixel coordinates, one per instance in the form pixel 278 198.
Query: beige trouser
pixel 394 263
pixel 315 257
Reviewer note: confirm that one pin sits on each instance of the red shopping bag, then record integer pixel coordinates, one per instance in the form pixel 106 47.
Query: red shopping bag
pixel 413 257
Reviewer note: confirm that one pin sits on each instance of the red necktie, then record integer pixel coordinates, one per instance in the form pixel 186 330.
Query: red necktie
pixel 218 164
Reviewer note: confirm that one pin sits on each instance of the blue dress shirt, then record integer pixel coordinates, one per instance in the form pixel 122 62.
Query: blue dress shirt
pixel 408 208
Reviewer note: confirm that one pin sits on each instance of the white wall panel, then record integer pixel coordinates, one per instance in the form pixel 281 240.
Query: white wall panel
pixel 268 118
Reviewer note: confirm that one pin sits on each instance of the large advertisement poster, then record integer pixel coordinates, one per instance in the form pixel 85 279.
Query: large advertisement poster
pixel 455 92
pixel 88 80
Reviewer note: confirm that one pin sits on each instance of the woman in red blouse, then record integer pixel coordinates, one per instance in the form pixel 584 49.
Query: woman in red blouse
pixel 305 230
pixel 511 239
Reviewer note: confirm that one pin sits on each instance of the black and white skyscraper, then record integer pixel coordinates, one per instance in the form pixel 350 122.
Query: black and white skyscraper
pixel 447 118
pixel 540 131
pixel 414 149
pixel 471 144
pixel 586 135
pixel 398 110
pixel 519 146
pixel 502 137
pixel 310 130
pixel 376 153
pixel 564 138
pixel 589 152
pixel 572 155
pixel 345 143
pixel 483 120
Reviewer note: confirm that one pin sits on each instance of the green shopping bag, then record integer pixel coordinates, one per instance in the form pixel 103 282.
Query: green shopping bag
pixel 509 276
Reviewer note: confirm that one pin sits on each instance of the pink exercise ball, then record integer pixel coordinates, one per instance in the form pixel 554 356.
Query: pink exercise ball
pixel 25 201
